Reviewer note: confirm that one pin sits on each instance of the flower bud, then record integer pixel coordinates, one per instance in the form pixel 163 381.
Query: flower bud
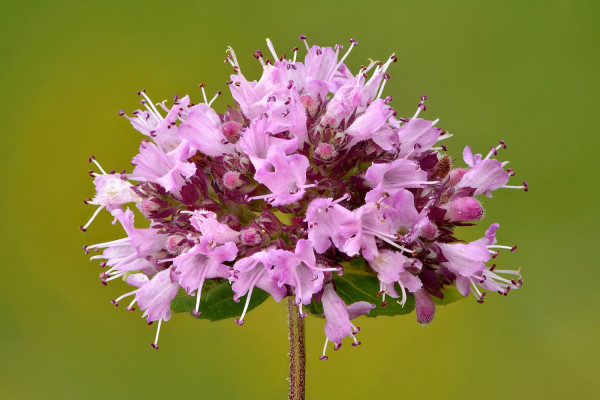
pixel 430 231
pixel 231 221
pixel 233 180
pixel 153 206
pixel 324 152
pixel 231 131
pixel 245 165
pixel 269 222
pixel 463 209
pixel 175 243
pixel 251 236
pixel 310 104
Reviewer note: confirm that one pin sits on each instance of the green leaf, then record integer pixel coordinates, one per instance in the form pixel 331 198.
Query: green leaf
pixel 353 287
pixel 360 283
pixel 216 302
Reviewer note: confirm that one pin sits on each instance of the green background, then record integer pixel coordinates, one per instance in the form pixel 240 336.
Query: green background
pixel 522 71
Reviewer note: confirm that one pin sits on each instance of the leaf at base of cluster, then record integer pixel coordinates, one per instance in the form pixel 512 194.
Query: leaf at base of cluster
pixel 216 302
pixel 360 283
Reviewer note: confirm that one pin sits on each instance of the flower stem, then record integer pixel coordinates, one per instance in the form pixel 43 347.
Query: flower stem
pixel 297 351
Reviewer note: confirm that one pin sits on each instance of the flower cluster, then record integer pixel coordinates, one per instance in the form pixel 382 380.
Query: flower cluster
pixel 312 168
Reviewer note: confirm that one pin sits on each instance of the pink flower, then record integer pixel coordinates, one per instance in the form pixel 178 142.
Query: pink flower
pixel 202 262
pixel 284 175
pixel 390 268
pixel 214 231
pixel 399 174
pixel 299 270
pixel 254 271
pixel 329 222
pixel 418 136
pixel 204 131
pixel 167 169
pixel 338 316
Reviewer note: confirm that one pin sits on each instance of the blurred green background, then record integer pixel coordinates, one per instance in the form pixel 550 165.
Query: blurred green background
pixel 522 71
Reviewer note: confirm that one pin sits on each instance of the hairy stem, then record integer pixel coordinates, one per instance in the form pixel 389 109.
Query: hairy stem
pixel 297 351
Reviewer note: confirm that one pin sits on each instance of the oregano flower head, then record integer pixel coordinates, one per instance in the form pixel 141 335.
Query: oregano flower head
pixel 310 186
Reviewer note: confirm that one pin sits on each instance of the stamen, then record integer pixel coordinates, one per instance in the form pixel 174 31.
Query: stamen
pixel 421 106
pixel 494 150
pixel 403 301
pixel 111 243
pixel 116 301
pixel 272 49
pixel 130 306
pixel 201 86
pixel 93 159
pixel 154 110
pixel 84 227
pixel 395 245
pixel 214 98
pixel 382 70
pixel 524 187
pixel 202 278
pixel 335 69
pixel 496 246
pixel 476 292
pixel 233 59
pixel 155 344
pixel 240 321
pixel 324 357
pixel 303 38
